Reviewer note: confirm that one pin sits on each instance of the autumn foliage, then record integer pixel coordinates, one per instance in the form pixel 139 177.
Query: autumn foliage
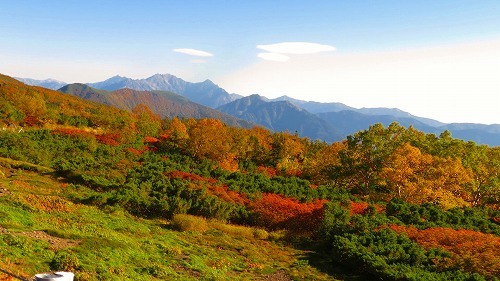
pixel 472 251
pixel 112 139
pixel 276 211
pixel 361 208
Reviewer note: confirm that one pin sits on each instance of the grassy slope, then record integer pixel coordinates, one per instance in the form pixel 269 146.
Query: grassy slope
pixel 39 224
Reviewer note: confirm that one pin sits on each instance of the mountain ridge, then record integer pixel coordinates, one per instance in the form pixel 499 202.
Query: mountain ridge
pixel 206 93
pixel 281 116
pixel 163 103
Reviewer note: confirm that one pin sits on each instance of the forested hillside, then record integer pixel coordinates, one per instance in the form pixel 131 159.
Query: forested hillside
pixel 387 203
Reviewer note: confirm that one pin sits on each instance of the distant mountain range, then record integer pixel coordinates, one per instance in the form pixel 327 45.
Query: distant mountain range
pixel 319 107
pixel 48 83
pixel 170 96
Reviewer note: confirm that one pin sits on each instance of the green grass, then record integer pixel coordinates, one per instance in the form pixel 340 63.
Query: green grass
pixel 111 244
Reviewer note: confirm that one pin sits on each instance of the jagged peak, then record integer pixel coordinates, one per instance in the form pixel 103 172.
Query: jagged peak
pixel 159 75
pixel 255 97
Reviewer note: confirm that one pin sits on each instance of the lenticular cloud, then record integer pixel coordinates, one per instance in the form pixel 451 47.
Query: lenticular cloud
pixel 273 57
pixel 193 52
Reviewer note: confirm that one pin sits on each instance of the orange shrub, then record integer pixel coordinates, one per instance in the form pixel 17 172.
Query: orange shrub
pixel 112 139
pixel 359 208
pixel 134 151
pixel 472 251
pixel 276 211
pixel 151 139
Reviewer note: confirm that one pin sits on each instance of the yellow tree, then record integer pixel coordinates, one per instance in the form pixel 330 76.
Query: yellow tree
pixel 288 152
pixel 404 173
pixel 241 146
pixel 317 166
pixel 448 179
pixel 176 134
pixel 208 138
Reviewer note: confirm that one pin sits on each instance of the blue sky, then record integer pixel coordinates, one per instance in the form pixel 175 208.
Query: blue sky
pixel 437 59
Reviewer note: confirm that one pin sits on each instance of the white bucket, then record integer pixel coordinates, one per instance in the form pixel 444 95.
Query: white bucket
pixel 48 277
pixel 68 276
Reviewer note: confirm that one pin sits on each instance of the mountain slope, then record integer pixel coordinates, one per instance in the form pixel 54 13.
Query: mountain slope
pixel 163 103
pixel 205 93
pixel 22 104
pixel 281 116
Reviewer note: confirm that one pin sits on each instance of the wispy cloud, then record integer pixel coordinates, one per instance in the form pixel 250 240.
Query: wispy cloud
pixel 193 52
pixel 273 57
pixel 296 48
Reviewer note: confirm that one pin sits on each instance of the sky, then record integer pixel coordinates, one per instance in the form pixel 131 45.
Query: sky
pixel 435 59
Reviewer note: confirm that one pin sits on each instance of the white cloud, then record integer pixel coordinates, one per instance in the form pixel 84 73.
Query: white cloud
pixel 273 57
pixel 193 52
pixel 296 48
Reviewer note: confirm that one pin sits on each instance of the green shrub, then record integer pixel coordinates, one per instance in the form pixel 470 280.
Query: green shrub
pixel 65 261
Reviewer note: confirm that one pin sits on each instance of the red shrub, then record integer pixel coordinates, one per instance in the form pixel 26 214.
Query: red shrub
pixel 112 139
pixel 358 208
pixel 276 211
